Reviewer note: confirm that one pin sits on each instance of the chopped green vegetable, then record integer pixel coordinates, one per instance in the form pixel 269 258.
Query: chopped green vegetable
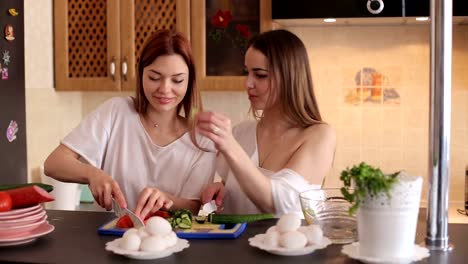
pixel 365 180
pixel 181 218
pixel 235 219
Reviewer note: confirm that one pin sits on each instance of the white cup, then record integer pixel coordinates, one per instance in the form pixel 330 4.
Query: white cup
pixel 387 226
pixel 67 195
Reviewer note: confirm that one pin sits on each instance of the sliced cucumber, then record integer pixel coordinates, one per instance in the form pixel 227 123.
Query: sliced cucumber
pixel 235 219
pixel 181 218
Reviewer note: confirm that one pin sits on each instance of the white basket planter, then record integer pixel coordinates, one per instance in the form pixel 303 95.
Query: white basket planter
pixel 387 225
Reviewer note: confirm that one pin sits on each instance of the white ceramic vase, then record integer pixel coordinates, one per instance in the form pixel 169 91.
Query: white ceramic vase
pixel 387 225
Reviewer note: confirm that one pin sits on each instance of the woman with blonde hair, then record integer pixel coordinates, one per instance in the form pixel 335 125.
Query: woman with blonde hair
pixel 264 164
pixel 142 151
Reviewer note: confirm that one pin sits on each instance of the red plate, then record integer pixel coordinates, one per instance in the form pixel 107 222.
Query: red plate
pixel 21 229
pixel 26 237
pixel 22 221
pixel 20 213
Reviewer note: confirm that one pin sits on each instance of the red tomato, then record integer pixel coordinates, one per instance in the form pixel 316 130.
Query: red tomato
pixel 5 202
pixel 163 214
pixel 124 222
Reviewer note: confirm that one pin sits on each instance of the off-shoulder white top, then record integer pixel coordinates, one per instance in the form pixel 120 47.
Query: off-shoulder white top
pixel 286 183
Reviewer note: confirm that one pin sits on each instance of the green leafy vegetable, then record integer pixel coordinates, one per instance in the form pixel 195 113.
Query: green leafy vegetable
pixel 362 181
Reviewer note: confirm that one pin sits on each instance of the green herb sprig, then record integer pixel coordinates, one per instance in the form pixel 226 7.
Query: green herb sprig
pixel 367 181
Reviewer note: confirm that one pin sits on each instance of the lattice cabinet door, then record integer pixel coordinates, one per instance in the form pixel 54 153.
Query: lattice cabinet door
pixel 147 16
pixel 98 42
pixel 87 44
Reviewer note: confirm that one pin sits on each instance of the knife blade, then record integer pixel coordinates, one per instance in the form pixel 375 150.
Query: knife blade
pixel 119 212
pixel 205 210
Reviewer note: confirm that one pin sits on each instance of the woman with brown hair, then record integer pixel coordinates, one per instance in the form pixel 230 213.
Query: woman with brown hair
pixel 142 151
pixel 264 164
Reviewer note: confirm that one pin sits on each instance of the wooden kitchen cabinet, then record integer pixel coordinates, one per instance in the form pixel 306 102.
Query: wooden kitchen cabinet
pixel 97 42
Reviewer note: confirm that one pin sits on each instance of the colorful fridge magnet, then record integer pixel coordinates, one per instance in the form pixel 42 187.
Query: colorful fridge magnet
pixel 13 12
pixel 4 73
pixel 9 33
pixel 6 57
pixel 11 131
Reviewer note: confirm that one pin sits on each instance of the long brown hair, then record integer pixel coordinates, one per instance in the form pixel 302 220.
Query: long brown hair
pixel 289 64
pixel 168 42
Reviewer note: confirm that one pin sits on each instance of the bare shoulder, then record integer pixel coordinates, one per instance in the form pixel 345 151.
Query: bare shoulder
pixel 321 132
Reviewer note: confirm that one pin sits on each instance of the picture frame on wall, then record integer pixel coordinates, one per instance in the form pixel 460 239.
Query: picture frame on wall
pixel 220 30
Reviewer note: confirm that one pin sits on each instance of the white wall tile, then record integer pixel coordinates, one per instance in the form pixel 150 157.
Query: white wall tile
pixel 38 44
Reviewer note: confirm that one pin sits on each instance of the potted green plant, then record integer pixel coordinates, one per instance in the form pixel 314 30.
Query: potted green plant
pixel 387 211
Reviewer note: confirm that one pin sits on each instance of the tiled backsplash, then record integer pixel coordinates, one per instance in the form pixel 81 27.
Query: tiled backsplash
pixel 392 136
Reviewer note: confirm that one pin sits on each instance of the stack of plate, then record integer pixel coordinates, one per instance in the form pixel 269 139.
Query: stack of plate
pixel 20 226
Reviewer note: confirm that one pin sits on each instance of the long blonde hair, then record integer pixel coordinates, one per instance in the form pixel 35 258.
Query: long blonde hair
pixel 289 64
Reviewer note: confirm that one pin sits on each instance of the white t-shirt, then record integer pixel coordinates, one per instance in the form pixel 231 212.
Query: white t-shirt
pixel 286 183
pixel 113 139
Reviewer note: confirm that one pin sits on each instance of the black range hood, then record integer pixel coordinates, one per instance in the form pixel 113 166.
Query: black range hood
pixel 307 9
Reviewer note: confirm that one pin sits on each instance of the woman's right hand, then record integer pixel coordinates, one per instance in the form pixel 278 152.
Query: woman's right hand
pixel 214 191
pixel 103 188
pixel 216 127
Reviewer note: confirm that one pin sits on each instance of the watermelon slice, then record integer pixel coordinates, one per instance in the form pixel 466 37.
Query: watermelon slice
pixel 30 195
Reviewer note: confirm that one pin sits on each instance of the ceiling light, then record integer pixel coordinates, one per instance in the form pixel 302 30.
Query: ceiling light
pixel 329 20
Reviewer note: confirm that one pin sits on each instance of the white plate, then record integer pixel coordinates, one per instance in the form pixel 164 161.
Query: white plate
pixel 22 212
pixel 257 241
pixel 113 246
pixel 352 251
pixel 26 237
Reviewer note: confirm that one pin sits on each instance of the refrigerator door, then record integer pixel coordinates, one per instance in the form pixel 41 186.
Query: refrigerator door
pixel 13 159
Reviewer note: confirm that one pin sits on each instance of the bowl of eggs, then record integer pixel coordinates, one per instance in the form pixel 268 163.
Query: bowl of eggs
pixel 289 238
pixel 155 240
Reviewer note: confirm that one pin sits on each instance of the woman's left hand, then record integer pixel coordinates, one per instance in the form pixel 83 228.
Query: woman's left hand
pixel 150 201
pixel 216 127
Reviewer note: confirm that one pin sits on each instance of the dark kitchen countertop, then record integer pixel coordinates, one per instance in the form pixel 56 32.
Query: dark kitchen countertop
pixel 75 240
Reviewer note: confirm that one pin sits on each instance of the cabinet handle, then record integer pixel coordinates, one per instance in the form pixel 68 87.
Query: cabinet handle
pixel 112 68
pixel 124 68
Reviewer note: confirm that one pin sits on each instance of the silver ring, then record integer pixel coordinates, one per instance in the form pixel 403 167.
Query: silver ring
pixel 215 130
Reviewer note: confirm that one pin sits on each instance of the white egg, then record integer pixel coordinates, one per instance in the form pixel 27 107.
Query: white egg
pixel 271 239
pixel 288 222
pixel 153 243
pixel 293 240
pixel 171 239
pixel 142 232
pixel 130 231
pixel 130 242
pixel 271 229
pixel 314 234
pixel 158 226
